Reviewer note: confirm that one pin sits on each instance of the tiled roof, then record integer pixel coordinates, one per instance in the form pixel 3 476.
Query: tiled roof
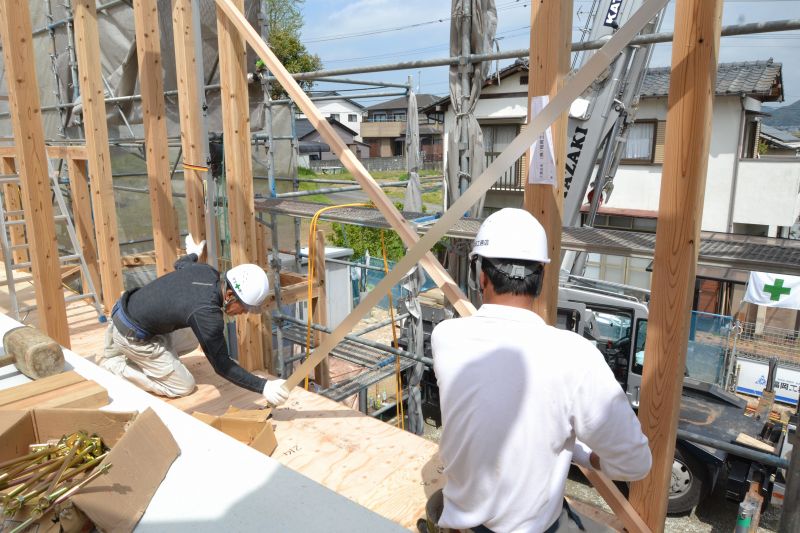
pixel 423 100
pixel 753 78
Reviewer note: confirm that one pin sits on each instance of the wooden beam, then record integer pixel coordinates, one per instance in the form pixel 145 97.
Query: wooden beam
pixel 551 34
pixel 53 152
pixel 239 172
pixel 266 314
pixel 12 201
pixel 597 514
pixel 228 12
pixel 322 372
pixel 26 120
pixel 151 81
pixel 616 500
pixel 192 136
pixel 87 50
pixel 695 50
pixel 82 218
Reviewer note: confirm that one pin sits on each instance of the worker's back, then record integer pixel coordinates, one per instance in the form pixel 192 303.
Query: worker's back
pixel 165 304
pixel 514 394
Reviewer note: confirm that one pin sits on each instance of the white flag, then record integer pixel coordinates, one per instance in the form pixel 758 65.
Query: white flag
pixel 542 164
pixel 773 290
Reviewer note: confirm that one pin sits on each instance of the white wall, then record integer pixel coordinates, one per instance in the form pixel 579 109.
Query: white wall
pixel 638 186
pixel 768 192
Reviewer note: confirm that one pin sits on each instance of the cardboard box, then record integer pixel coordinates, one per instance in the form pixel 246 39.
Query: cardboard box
pixel 248 427
pixel 142 450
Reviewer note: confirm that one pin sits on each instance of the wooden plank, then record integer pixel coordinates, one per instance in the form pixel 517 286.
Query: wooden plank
pixel 26 119
pixel 232 16
pixel 144 258
pixel 322 372
pixel 191 113
pixel 12 201
pixel 151 81
pixel 595 513
pixel 375 464
pixel 616 500
pixel 751 442
pixel 695 50
pixel 551 34
pixel 82 219
pixel 53 151
pixel 83 395
pixel 87 50
pixel 39 386
pixel 239 173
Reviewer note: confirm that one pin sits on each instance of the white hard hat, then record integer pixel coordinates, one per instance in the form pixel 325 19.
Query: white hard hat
pixel 250 283
pixel 511 234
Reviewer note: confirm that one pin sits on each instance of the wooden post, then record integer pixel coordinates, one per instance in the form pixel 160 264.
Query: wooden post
pixel 551 33
pixel 239 173
pixel 192 136
pixel 82 215
pixel 695 50
pixel 151 81
pixel 322 372
pixel 26 120
pixel 12 199
pixel 266 316
pixel 87 49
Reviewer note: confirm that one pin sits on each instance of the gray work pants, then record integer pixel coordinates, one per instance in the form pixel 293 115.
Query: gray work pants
pixel 153 365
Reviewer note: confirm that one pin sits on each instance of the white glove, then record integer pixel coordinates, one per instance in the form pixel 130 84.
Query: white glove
pixel 275 392
pixel 194 247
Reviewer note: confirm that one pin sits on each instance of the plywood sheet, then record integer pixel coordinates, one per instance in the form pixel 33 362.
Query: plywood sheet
pixel 389 471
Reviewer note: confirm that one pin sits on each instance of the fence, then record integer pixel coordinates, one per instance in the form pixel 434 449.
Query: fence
pixel 364 280
pixel 374 164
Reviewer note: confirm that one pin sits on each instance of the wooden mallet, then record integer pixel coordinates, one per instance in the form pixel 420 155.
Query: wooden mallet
pixel 33 353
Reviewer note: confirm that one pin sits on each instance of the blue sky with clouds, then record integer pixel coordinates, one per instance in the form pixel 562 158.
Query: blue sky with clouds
pixel 351 33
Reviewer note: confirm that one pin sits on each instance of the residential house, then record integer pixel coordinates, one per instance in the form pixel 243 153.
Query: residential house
pixel 315 149
pixel 385 128
pixel 339 108
pixel 746 192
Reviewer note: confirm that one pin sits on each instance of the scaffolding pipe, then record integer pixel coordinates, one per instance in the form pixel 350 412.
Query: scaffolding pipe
pixel 354 264
pixel 56 23
pixel 382 324
pixel 740 451
pixel 334 190
pixel 370 344
pixel 339 97
pixel 364 82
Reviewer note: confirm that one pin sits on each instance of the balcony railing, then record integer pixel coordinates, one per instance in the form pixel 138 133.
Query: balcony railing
pixel 511 179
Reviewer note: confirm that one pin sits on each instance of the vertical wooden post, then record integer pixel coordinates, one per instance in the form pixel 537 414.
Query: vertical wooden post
pixel 26 119
pixel 13 202
pixel 695 50
pixel 87 49
pixel 82 215
pixel 239 172
pixel 322 372
pixel 151 81
pixel 266 316
pixel 192 137
pixel 551 32
pixel 790 516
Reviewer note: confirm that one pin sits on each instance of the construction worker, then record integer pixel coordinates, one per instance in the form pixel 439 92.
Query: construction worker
pixel 139 343
pixel 521 400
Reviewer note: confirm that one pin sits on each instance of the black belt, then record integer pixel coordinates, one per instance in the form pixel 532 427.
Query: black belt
pixel 128 327
pixel 572 515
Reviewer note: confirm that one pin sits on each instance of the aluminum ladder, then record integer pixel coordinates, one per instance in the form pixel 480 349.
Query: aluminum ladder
pixel 61 216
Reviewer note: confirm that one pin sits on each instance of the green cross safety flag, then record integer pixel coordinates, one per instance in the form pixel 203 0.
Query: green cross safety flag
pixel 773 290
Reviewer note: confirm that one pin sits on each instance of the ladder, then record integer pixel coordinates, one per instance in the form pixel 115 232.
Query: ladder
pixel 76 258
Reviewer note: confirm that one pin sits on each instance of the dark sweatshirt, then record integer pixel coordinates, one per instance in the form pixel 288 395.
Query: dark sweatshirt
pixel 191 296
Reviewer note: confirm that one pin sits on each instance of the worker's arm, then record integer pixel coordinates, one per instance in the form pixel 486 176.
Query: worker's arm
pixel 605 423
pixel 208 326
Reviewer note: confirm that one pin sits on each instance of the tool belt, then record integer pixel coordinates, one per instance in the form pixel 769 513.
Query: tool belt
pixel 128 327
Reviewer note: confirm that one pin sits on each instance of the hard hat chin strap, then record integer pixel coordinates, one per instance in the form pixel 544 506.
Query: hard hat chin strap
pixel 473 277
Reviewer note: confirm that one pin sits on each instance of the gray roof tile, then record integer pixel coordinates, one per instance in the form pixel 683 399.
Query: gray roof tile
pixel 754 78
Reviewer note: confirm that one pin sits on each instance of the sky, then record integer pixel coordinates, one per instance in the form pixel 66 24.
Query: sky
pixel 352 33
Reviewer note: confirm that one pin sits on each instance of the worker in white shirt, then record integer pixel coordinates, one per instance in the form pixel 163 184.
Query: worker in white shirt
pixel 521 400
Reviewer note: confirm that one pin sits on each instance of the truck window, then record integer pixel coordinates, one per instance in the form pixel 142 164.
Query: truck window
pixel 568 319
pixel 641 335
pixel 613 332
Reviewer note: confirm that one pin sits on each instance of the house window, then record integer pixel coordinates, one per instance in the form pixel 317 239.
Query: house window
pixel 335 116
pixel 379 117
pixel 640 147
pixel 523 80
pixel 352 118
pixel 617 269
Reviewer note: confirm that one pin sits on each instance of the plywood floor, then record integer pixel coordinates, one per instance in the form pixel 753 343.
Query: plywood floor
pixel 389 471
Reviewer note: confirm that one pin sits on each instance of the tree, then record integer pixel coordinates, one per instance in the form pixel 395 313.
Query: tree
pixel 284 20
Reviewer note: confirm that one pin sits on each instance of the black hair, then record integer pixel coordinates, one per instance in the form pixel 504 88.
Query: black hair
pixel 503 284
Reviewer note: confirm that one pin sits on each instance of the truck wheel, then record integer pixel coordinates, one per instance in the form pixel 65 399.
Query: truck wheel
pixel 688 484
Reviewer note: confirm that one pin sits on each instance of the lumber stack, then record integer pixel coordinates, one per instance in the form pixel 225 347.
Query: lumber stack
pixel 68 389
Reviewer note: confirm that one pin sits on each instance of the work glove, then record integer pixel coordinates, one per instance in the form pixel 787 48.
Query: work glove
pixel 275 392
pixel 194 247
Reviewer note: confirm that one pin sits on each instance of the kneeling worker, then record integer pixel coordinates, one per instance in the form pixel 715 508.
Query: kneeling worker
pixel 194 295
pixel 521 400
